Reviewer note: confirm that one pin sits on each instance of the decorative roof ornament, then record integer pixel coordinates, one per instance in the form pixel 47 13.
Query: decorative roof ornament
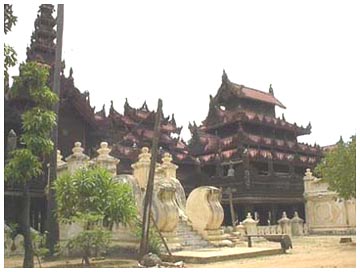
pixel 144 106
pixel 111 106
pixel 271 90
pixel 71 71
pixel 283 117
pixel 308 127
pixel 224 77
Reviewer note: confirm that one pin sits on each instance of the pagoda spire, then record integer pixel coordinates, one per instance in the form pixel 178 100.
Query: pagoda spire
pixel 42 46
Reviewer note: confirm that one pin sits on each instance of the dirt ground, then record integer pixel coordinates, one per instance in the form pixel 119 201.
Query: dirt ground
pixel 307 252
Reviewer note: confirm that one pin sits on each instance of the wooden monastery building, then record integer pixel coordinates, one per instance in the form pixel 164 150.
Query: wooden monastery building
pixel 241 146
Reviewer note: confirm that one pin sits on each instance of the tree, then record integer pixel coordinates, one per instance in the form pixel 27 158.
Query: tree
pixel 26 164
pixel 338 168
pixel 92 198
pixel 9 52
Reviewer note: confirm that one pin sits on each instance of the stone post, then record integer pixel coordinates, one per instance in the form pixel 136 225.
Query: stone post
pixel 168 166
pixel 297 225
pixel 250 225
pixel 285 225
pixel 105 160
pixel 142 168
pixel 77 159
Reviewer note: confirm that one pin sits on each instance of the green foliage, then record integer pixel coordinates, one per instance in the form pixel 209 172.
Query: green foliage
pixel 93 191
pixel 39 245
pixel 37 123
pixel 9 18
pixel 32 83
pixel 26 163
pixel 22 167
pixel 9 59
pixel 9 52
pixel 91 196
pixel 338 168
pixel 154 241
pixel 90 242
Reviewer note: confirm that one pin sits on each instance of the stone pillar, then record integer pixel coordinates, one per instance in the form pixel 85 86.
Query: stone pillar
pixel 285 225
pixel 142 168
pixel 168 167
pixel 250 225
pixel 297 225
pixel 77 159
pixel 105 160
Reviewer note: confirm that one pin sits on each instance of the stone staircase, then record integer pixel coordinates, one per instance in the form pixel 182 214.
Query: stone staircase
pixel 190 239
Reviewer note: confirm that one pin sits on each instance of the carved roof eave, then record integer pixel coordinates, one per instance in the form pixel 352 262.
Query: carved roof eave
pixel 241 116
pixel 78 100
pixel 295 147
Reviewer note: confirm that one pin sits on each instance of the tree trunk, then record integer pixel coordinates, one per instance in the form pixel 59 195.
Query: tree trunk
pixel 28 254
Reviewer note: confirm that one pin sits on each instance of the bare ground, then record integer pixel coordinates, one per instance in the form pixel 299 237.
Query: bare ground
pixel 308 251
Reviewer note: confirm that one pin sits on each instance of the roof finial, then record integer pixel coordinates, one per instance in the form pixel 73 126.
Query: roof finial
pixel 308 127
pixel 111 105
pixel 283 117
pixel 271 90
pixel 224 76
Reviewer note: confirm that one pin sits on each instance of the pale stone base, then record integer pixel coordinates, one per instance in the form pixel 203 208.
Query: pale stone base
pixel 218 238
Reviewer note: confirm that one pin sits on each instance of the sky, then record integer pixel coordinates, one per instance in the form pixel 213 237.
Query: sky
pixel 177 50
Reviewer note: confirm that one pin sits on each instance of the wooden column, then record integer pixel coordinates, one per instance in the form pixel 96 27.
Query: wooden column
pixel 150 185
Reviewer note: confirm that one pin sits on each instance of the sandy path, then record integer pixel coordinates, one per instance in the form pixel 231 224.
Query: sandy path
pixel 309 251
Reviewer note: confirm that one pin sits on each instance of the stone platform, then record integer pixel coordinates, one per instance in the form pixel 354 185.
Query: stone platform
pixel 209 255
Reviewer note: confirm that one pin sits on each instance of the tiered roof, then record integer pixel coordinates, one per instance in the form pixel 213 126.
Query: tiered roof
pixel 42 47
pixel 208 145
pixel 135 129
pixel 229 89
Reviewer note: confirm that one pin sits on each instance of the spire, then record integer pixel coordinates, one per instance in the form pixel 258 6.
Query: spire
pixel 42 47
pixel 224 76
pixel 283 117
pixel 271 90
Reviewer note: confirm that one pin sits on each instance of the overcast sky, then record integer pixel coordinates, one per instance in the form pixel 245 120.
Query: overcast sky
pixel 176 50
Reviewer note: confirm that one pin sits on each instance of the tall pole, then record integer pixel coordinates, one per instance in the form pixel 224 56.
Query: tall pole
pixel 144 245
pixel 52 225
